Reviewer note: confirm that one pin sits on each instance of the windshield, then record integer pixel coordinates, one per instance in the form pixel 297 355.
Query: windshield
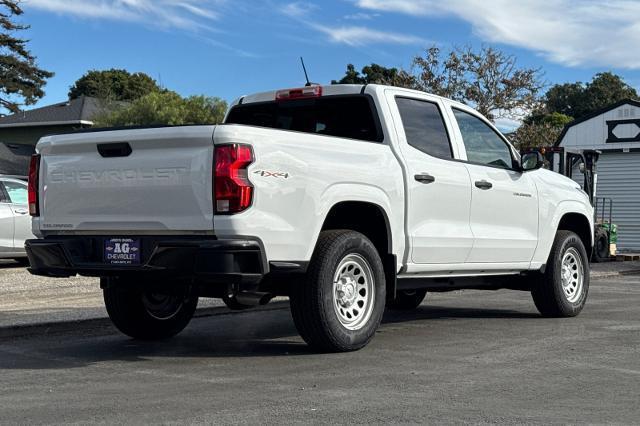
pixel 352 116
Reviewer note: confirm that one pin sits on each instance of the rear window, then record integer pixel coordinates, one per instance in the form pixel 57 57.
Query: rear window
pixel 352 116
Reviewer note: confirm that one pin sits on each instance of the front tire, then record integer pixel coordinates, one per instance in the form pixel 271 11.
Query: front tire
pixel 407 300
pixel 148 315
pixel 562 290
pixel 339 306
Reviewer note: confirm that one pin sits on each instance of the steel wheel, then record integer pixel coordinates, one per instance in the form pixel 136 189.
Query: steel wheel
pixel 150 314
pixel 354 294
pixel 572 275
pixel 562 289
pixel 162 306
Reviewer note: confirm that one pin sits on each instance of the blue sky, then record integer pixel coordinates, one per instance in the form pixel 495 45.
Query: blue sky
pixel 228 48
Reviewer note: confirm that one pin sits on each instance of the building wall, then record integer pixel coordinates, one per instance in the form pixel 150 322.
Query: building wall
pixel 593 133
pixel 618 166
pixel 619 179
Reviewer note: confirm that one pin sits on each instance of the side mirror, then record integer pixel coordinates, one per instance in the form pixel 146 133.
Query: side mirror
pixel 532 161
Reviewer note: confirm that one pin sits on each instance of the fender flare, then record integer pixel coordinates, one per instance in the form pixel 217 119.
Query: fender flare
pixel 370 194
pixel 546 238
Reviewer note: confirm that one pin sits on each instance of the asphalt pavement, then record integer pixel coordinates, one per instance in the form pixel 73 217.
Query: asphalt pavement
pixel 27 300
pixel 462 357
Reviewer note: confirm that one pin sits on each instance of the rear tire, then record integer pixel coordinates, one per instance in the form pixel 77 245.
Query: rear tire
pixel 562 290
pixel 147 315
pixel 339 305
pixel 407 300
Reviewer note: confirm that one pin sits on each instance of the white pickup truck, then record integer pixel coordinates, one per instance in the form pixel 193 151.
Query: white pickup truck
pixel 345 198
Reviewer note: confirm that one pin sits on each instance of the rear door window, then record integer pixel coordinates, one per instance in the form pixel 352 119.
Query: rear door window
pixel 350 116
pixel 424 127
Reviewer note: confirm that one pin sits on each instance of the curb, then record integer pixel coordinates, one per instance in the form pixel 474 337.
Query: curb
pixel 609 274
pixel 95 324
pixel 631 272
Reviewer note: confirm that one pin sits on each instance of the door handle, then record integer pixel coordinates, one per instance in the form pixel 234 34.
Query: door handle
pixel 425 178
pixel 21 211
pixel 483 184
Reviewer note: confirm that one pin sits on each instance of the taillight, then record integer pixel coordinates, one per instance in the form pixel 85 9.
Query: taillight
pixel 34 171
pixel 232 190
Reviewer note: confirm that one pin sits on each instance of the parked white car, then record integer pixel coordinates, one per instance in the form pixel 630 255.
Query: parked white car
pixel 345 198
pixel 15 222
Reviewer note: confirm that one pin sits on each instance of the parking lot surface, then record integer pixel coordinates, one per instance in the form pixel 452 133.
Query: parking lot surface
pixel 470 356
pixel 26 299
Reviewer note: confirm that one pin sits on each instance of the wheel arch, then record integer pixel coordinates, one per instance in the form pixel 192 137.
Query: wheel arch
pixel 370 219
pixel 568 215
pixel 580 224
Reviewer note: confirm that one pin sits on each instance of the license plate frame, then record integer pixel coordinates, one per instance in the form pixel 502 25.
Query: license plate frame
pixel 122 251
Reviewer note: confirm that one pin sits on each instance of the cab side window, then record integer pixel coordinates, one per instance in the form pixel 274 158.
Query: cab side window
pixel 482 143
pixel 424 127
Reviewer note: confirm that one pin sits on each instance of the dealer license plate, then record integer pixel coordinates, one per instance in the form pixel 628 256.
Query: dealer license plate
pixel 122 251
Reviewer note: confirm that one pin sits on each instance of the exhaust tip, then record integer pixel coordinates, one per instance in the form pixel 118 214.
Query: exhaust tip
pixel 253 298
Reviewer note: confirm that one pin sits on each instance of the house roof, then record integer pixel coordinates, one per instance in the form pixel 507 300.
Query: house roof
pixel 81 110
pixel 601 111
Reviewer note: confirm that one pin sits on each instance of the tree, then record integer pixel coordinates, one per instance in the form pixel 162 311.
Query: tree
pixel 487 79
pixel 165 108
pixel 578 100
pixel 20 77
pixel 114 85
pixel 441 76
pixel 540 116
pixel 351 77
pixel 567 99
pixel 535 135
pixel 377 74
pixel 605 89
pixel 539 129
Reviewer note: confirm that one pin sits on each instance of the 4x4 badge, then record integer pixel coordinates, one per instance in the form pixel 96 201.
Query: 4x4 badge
pixel 265 173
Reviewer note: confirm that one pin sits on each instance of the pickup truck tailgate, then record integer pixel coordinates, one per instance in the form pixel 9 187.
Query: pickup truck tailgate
pixel 127 180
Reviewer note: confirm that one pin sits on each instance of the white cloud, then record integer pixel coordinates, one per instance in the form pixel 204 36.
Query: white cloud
pixel 569 32
pixel 184 14
pixel 298 9
pixel 349 35
pixel 361 16
pixel 360 36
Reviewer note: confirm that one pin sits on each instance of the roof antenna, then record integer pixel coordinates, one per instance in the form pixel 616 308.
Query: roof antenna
pixel 305 73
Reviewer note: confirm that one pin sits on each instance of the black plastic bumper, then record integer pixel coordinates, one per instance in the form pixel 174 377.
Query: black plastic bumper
pixel 225 261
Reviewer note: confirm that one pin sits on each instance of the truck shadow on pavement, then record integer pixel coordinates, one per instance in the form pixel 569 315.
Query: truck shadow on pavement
pixel 267 333
pixel 12 264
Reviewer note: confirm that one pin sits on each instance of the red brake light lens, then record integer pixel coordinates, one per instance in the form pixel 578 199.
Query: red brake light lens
pixel 299 93
pixel 34 171
pixel 232 189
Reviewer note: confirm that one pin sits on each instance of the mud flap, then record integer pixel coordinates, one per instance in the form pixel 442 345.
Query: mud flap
pixel 389 263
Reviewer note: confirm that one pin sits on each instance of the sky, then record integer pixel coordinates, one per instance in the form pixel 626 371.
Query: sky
pixel 229 48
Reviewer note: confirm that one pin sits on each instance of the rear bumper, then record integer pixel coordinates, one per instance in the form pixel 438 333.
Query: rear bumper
pixel 234 261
